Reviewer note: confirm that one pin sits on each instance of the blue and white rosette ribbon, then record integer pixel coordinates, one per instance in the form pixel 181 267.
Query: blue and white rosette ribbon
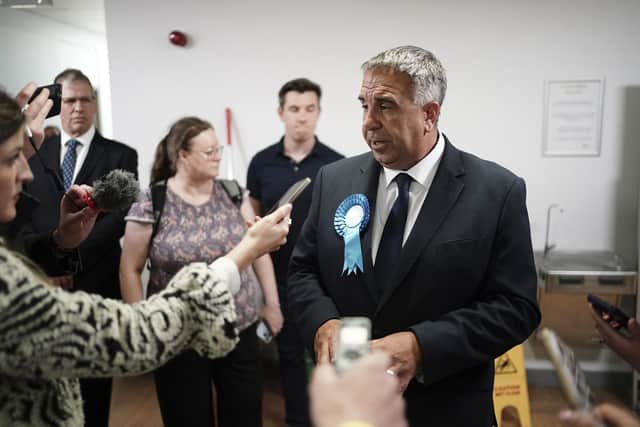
pixel 352 216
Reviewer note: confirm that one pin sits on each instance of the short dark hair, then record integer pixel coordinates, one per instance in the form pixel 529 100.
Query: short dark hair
pixel 298 85
pixel 73 75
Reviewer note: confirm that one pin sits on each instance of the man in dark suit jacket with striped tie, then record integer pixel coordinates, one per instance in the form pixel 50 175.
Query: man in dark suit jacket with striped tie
pixel 429 242
pixel 80 155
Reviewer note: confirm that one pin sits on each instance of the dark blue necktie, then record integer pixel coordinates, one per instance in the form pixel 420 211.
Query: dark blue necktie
pixel 388 256
pixel 69 163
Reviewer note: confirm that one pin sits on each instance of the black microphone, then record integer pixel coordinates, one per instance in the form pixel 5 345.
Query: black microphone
pixel 115 191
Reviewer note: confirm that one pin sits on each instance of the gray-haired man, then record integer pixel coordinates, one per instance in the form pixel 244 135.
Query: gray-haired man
pixel 431 243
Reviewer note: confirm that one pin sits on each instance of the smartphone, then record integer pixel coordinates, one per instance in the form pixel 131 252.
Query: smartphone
pixel 603 307
pixel 264 332
pixel 55 94
pixel 573 381
pixel 353 341
pixel 291 194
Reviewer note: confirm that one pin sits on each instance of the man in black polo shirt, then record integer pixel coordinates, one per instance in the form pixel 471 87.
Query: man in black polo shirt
pixel 272 171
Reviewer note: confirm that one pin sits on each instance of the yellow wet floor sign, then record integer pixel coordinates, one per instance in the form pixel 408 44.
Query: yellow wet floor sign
pixel 510 392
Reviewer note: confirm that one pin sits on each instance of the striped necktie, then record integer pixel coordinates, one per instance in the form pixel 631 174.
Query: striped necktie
pixel 69 163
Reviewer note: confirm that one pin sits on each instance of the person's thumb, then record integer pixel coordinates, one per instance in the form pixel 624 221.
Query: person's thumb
pixel 282 212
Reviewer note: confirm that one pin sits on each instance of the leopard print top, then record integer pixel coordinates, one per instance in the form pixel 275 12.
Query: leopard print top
pixel 49 337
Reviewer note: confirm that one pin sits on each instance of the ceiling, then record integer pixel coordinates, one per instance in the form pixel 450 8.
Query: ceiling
pixel 85 14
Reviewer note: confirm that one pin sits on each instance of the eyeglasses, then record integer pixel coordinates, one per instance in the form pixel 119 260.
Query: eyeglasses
pixel 212 152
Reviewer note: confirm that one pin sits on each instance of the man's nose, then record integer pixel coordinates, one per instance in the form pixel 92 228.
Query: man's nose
pixel 370 120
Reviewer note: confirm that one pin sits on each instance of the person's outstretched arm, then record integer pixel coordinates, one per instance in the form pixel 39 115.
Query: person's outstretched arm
pixel 51 333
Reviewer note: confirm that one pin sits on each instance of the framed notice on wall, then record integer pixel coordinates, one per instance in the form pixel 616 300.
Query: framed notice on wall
pixel 572 121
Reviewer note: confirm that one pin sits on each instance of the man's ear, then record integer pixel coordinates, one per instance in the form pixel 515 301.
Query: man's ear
pixel 431 113
pixel 280 112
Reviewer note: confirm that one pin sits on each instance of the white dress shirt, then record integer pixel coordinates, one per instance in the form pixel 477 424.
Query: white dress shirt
pixel 422 173
pixel 81 149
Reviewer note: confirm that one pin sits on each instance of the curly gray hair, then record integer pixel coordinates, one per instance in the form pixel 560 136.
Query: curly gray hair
pixel 425 70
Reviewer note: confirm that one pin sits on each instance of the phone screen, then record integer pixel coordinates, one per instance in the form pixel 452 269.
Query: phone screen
pixel 263 332
pixel 55 95
pixel 353 341
pixel 291 194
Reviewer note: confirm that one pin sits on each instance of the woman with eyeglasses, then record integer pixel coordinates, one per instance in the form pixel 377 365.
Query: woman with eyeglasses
pixel 50 337
pixel 199 221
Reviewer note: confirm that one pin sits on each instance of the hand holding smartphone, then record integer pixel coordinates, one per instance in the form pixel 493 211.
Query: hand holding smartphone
pixel 55 95
pixel 573 381
pixel 617 318
pixel 264 332
pixel 291 194
pixel 353 341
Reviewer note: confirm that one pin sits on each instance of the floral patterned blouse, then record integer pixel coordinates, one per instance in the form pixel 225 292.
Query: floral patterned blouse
pixel 188 233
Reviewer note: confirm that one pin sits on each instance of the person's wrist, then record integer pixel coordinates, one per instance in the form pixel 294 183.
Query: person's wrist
pixel 57 243
pixel 241 254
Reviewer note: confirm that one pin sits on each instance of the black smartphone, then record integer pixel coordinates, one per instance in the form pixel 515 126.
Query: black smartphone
pixel 614 313
pixel 291 194
pixel 55 94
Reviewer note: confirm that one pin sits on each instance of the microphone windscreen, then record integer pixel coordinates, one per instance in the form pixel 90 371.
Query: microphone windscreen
pixel 115 191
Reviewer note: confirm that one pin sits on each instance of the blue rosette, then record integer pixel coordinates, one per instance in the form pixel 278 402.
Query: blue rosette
pixel 352 216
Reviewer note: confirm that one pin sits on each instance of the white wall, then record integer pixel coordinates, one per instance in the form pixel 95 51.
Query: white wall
pixel 498 54
pixel 34 48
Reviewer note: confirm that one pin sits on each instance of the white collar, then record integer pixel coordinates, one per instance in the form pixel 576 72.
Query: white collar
pixel 421 171
pixel 84 139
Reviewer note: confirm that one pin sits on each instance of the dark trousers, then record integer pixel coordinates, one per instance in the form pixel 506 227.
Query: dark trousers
pixel 183 387
pixel 293 371
pixel 96 400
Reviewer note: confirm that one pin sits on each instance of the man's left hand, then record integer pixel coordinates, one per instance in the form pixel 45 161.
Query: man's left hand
pixel 36 112
pixel 405 355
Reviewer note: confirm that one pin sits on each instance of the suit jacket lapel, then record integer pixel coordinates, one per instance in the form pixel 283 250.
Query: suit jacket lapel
pixel 367 182
pixel 444 192
pixel 50 153
pixel 93 157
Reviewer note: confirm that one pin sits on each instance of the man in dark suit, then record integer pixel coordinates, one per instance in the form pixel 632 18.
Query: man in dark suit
pixel 80 155
pixel 429 242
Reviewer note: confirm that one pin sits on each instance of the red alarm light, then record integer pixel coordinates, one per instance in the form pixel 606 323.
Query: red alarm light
pixel 178 38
